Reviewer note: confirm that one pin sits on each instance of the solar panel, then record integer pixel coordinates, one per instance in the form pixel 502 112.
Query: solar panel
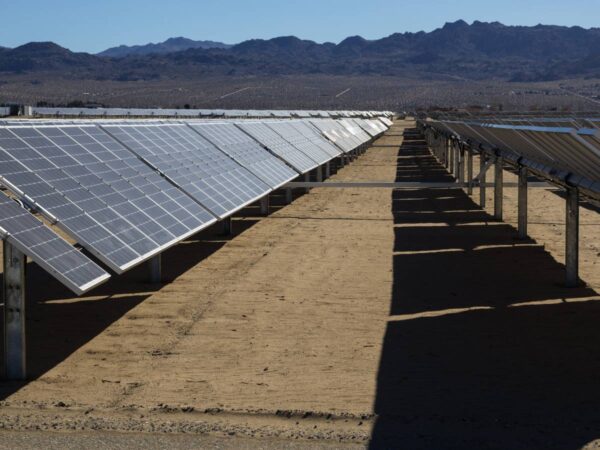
pixel 47 249
pixel 352 128
pixel 558 153
pixel 386 121
pixel 176 214
pixel 65 157
pixel 215 180
pixel 247 151
pixel 279 146
pixel 291 134
pixel 316 138
pixel 72 196
pixel 331 130
pixel 356 130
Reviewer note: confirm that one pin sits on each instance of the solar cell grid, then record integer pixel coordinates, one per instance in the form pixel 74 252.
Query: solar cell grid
pixel 278 145
pixel 329 129
pixel 63 165
pixel 316 138
pixel 47 249
pixel 212 178
pixel 107 246
pixel 247 152
pixel 291 134
pixel 177 214
pixel 356 130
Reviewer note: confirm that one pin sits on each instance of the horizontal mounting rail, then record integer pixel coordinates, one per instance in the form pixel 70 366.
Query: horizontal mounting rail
pixel 403 185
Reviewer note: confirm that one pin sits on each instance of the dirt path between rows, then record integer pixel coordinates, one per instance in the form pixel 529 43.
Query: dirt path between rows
pixel 352 314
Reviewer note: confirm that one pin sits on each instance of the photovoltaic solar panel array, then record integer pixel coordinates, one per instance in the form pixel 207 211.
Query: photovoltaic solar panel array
pixel 247 152
pixel 195 113
pixel 277 145
pixel 561 154
pixel 46 248
pixel 126 190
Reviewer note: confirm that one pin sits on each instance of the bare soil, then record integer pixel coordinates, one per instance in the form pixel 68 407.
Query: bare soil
pixel 352 315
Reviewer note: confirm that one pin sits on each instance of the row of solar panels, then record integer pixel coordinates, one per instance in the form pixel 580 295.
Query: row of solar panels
pixel 127 190
pixel 564 154
pixel 562 122
pixel 195 113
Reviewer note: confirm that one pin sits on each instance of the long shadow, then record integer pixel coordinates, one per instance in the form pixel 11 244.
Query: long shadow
pixel 58 323
pixel 484 347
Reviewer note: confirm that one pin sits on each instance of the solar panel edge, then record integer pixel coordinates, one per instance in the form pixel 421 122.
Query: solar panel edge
pixel 78 290
pixel 168 245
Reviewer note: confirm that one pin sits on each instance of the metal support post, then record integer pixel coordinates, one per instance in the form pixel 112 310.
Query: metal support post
pixel 327 169
pixel 227 226
pixel 155 269
pixel 445 154
pixel 470 171
pixel 307 180
pixel 482 181
pixel 288 195
pixel 498 189
pixel 451 157
pixel 522 203
pixel 572 238
pixel 320 174
pixel 264 205
pixel 461 164
pixel 14 313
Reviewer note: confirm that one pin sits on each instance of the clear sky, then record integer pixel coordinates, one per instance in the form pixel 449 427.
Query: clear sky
pixel 94 25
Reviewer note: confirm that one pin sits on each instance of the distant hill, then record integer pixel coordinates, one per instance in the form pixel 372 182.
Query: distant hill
pixel 43 56
pixel 476 51
pixel 171 45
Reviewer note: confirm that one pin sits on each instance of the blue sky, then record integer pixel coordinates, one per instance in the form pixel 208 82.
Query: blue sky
pixel 92 26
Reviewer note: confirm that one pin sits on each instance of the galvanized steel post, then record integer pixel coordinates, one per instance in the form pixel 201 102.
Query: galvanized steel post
pixel 482 180
pixel 155 269
pixel 522 202
pixel 498 189
pixel 572 237
pixel 14 313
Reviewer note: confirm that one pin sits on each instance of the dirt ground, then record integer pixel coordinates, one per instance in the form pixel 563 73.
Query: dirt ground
pixel 387 319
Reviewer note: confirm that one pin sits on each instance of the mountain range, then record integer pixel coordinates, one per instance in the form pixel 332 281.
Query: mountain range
pixel 171 45
pixel 460 50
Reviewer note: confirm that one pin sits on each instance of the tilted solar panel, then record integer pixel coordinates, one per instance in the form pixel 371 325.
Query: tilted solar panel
pixel 331 130
pixel 215 180
pixel 66 158
pixel 62 195
pixel 316 138
pixel 356 130
pixel 55 255
pixel 279 146
pixel 247 152
pixel 176 213
pixel 291 134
